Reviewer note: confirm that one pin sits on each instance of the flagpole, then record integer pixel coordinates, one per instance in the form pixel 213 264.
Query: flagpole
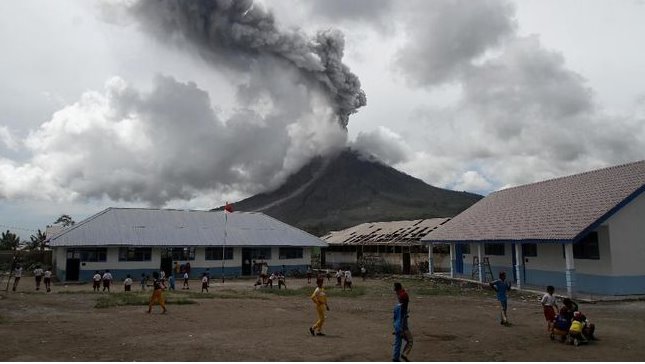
pixel 224 245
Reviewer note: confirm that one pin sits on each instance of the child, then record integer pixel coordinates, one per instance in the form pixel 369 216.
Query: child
pixel 339 277
pixel 272 278
pixel 185 286
pixel 281 281
pixel 127 283
pixel 320 300
pixel 348 280
pixel 17 274
pixel 501 287
pixel 38 274
pixel 171 281
pixel 143 281
pixel 363 272
pixel 96 281
pixel 549 307
pixel 309 274
pixel 575 331
pixel 404 331
pixel 107 280
pixel 157 293
pixel 204 282
pixel 48 279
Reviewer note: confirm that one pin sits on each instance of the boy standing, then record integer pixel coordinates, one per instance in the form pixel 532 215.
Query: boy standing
pixel 204 283
pixel 550 307
pixel 404 333
pixel 38 274
pixel 17 274
pixel 501 287
pixel 107 280
pixel 185 286
pixel 96 281
pixel 127 283
pixel 48 279
pixel 319 297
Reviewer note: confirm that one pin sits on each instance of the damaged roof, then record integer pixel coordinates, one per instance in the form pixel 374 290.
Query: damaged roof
pixel 385 233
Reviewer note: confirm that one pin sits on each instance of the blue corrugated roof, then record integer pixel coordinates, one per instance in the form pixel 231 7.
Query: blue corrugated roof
pixel 157 227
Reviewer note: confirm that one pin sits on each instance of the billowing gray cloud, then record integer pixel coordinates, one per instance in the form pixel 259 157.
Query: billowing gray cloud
pixel 444 38
pixel 239 34
pixel 384 144
pixel 166 144
pixel 378 12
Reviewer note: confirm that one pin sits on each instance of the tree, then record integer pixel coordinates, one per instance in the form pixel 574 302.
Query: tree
pixel 65 220
pixel 9 241
pixel 38 241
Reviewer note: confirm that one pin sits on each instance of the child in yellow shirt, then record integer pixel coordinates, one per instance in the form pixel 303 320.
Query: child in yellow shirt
pixel 319 297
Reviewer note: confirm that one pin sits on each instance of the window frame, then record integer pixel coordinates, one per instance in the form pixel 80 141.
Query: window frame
pixel 139 254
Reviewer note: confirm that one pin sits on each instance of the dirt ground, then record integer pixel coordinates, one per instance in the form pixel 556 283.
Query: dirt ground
pixel 238 323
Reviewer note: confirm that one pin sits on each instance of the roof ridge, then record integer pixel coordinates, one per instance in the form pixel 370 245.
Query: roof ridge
pixel 594 171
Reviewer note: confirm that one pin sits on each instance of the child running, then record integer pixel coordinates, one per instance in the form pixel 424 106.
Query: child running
pixel 157 293
pixel 320 300
pixel 501 287
pixel 550 307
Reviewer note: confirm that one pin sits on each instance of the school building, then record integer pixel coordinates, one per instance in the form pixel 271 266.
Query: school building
pixel 138 240
pixel 583 233
pixel 393 243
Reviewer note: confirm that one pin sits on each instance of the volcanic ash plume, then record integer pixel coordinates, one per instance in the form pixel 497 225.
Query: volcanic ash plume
pixel 239 33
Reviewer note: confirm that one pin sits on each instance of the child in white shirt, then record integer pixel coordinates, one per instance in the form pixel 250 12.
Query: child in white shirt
pixel 127 283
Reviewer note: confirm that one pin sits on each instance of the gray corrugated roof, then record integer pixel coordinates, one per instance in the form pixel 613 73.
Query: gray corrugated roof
pixel 561 209
pixel 389 232
pixel 154 227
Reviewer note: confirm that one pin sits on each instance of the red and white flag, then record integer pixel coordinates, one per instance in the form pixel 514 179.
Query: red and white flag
pixel 228 208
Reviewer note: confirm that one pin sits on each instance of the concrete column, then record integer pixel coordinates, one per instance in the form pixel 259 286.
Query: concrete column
pixel 518 265
pixel 480 258
pixel 570 269
pixel 453 260
pixel 430 259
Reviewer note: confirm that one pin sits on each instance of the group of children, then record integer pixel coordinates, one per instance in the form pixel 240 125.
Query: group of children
pixel 40 275
pixel 266 280
pixel 344 279
pixel 567 322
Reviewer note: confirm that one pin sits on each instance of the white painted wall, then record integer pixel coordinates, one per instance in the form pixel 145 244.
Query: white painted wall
pixel 627 234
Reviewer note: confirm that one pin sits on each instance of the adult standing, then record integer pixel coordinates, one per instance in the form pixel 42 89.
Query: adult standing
pixel 38 275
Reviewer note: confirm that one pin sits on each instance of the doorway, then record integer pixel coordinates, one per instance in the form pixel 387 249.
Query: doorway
pixel 72 269
pixel 166 265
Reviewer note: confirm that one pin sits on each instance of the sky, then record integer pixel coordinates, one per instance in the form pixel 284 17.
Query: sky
pixel 177 104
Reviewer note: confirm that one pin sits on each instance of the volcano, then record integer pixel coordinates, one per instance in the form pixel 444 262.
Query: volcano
pixel 333 193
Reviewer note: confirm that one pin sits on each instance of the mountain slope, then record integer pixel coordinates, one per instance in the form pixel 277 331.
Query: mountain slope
pixel 336 193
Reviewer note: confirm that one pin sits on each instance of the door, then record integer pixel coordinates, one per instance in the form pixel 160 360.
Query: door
pixel 406 263
pixel 166 265
pixel 513 252
pixel 459 258
pixel 247 267
pixel 72 269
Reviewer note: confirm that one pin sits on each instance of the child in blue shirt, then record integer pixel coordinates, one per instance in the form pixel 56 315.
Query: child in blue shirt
pixel 501 287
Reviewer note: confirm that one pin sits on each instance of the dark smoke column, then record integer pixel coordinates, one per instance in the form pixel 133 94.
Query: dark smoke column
pixel 237 33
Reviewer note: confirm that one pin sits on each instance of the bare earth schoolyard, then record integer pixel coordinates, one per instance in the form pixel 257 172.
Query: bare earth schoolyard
pixel 236 323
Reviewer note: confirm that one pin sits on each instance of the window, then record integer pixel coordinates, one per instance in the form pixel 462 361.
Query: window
pixel 185 253
pixel 529 250
pixel 587 248
pixel 465 248
pixel 135 254
pixel 88 254
pixel 290 253
pixel 494 249
pixel 260 253
pixel 215 253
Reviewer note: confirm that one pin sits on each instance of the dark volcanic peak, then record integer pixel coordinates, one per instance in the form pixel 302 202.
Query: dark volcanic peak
pixel 348 189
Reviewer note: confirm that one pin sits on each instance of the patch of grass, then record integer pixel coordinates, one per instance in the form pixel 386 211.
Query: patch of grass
pixel 136 299
pixel 307 291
